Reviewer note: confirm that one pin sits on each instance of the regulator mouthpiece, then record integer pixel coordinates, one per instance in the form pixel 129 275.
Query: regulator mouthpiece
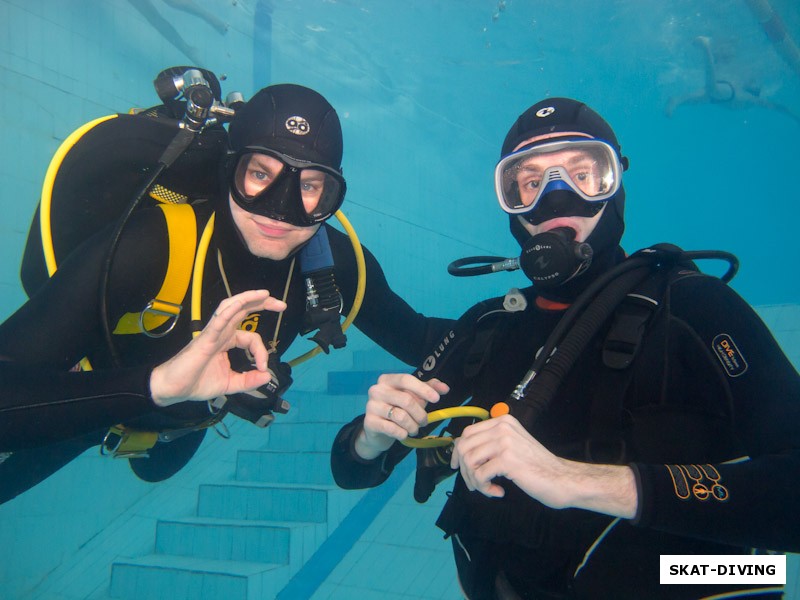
pixel 552 258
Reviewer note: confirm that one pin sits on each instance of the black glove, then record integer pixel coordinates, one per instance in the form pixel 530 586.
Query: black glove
pixel 433 467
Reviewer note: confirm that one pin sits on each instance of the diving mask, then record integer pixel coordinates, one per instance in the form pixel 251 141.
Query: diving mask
pixel 588 167
pixel 280 187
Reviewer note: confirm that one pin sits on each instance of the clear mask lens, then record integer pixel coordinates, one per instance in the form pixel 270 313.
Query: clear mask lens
pixel 287 190
pixel 590 168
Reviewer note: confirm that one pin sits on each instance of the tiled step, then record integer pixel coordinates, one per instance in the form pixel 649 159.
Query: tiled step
pixel 157 577
pixel 303 437
pixel 260 502
pixel 317 407
pixel 238 540
pixel 268 466
pixel 367 367
pixel 251 535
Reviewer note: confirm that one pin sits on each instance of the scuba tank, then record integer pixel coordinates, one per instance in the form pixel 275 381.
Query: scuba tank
pixel 88 184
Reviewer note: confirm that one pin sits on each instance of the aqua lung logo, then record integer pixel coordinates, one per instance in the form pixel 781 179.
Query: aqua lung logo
pixel 298 126
pixel 430 362
pixel 729 355
pixel 545 112
pixel 542 262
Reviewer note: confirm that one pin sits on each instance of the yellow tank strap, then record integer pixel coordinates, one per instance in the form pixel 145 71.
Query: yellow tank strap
pixel 182 231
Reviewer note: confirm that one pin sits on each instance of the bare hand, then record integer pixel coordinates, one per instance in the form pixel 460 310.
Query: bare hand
pixel 202 371
pixel 502 447
pixel 396 410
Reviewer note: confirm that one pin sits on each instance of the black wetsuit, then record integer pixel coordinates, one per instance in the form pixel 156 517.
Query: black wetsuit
pixel 43 403
pixel 710 385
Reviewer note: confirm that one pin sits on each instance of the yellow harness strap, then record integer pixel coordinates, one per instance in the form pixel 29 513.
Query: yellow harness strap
pixel 182 231
pixel 129 442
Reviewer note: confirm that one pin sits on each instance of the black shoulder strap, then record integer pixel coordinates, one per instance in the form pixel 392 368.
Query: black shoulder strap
pixel 621 346
pixel 467 344
pixel 630 320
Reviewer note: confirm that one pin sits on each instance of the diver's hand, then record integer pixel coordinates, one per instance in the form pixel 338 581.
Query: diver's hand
pixel 395 410
pixel 202 371
pixel 502 447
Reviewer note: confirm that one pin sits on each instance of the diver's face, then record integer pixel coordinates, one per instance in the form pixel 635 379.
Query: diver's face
pixel 579 165
pixel 267 238
pixel 583 226
pixel 258 171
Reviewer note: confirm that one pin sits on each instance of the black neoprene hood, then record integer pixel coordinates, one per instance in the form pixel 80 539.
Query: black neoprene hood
pixel 290 119
pixel 557 115
pixel 554 115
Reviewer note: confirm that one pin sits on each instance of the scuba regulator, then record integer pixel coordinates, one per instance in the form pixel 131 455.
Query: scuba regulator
pixel 548 259
pixel 193 96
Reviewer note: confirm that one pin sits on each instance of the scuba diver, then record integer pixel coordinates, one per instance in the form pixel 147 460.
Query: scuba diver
pixel 281 180
pixel 724 92
pixel 149 11
pixel 638 407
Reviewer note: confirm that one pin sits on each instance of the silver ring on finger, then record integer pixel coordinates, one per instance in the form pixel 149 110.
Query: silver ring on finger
pixel 389 414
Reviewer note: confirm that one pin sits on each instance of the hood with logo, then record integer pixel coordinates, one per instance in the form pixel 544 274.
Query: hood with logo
pixel 565 115
pixel 287 118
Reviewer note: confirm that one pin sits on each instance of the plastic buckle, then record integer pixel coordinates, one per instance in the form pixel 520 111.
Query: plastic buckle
pixel 160 308
pixel 129 443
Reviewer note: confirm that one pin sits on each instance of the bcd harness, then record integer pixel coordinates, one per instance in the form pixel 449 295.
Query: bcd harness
pixel 167 303
pixel 625 299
